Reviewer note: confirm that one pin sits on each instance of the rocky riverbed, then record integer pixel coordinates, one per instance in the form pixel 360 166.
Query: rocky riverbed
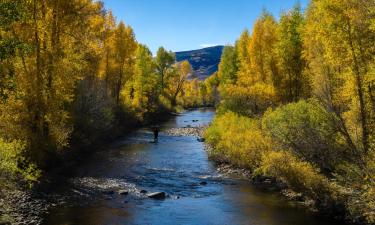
pixel 186 131
pixel 19 206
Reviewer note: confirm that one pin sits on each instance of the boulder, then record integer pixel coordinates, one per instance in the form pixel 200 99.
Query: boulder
pixel 157 195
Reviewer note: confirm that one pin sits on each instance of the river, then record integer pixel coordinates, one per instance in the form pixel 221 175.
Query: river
pixel 176 165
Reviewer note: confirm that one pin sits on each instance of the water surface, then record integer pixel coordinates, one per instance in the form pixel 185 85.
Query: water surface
pixel 177 166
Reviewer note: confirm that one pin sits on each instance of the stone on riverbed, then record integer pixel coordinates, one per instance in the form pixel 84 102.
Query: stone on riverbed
pixel 123 192
pixel 201 139
pixel 185 131
pixel 157 195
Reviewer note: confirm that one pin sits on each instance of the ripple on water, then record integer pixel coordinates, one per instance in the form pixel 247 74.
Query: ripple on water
pixel 197 192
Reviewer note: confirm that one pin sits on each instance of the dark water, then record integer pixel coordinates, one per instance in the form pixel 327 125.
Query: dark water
pixel 175 165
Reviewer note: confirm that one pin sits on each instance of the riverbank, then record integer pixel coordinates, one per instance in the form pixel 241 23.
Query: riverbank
pixel 112 185
pixel 20 205
pixel 243 142
pixel 223 166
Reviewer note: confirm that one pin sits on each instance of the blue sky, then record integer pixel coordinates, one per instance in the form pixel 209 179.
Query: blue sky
pixel 180 25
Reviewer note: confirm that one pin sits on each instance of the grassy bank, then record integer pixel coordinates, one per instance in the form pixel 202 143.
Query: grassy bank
pixel 286 144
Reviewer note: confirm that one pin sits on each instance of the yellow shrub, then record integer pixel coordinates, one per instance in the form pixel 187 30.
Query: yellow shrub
pixel 12 161
pixel 238 139
pixel 299 175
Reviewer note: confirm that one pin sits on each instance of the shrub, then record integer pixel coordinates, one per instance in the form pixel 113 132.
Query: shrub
pixel 238 139
pixel 13 163
pixel 309 130
pixel 301 176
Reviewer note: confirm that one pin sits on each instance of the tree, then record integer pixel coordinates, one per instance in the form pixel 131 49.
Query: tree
pixel 243 57
pixel 107 38
pixel 38 111
pixel 292 84
pixel 164 60
pixel 146 80
pixel 125 47
pixel 228 66
pixel 262 46
pixel 339 47
pixel 183 70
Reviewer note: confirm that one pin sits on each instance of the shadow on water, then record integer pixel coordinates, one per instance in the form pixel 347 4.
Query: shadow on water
pixel 178 166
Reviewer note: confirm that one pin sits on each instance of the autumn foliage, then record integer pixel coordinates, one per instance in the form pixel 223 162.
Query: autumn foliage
pixel 70 75
pixel 297 104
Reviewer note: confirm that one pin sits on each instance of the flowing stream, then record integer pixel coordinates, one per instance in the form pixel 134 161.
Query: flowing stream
pixel 177 165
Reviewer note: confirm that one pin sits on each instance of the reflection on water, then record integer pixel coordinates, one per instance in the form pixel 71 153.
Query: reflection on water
pixel 177 166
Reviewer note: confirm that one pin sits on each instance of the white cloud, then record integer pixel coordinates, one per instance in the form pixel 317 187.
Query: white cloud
pixel 207 45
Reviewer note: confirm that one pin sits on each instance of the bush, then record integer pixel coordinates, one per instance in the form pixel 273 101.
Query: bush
pixel 309 130
pixel 13 163
pixel 299 175
pixel 238 139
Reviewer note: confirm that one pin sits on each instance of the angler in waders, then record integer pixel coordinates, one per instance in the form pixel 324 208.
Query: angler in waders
pixel 155 130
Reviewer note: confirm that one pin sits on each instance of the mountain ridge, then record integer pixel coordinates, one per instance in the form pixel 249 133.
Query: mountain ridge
pixel 204 61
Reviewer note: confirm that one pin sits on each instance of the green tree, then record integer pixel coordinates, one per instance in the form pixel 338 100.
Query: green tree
pixel 228 66
pixel 292 84
pixel 164 61
pixel 146 80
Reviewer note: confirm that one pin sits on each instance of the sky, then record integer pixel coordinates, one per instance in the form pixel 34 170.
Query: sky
pixel 181 25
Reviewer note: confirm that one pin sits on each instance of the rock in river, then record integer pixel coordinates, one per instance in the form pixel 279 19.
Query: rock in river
pixel 203 183
pixel 123 192
pixel 200 139
pixel 157 195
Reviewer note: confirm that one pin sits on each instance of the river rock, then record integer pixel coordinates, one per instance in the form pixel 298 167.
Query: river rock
pixel 157 195
pixel 201 139
pixel 123 192
pixel 203 183
pixel 143 191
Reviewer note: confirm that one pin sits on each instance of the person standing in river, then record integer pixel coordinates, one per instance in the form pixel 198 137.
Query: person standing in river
pixel 156 133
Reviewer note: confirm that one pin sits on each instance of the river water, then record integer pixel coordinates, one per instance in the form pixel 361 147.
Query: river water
pixel 177 166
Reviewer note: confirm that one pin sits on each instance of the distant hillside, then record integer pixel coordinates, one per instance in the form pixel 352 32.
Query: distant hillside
pixel 204 61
